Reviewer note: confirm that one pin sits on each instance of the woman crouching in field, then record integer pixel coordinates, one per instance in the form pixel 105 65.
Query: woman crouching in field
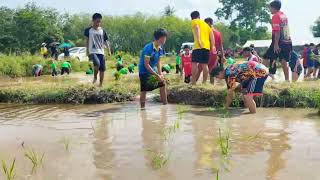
pixel 247 78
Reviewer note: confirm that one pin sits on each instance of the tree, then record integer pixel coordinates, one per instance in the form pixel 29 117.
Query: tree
pixel 247 18
pixel 169 11
pixel 244 13
pixel 316 28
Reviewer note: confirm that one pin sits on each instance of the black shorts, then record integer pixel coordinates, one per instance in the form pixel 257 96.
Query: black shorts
pixel 148 85
pixel 98 61
pixel 200 56
pixel 65 70
pixel 254 86
pixel 284 53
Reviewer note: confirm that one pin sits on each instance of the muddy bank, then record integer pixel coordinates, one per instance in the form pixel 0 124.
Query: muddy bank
pixel 78 94
pixel 301 95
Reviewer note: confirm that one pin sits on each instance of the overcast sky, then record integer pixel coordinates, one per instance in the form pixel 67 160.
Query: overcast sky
pixel 301 14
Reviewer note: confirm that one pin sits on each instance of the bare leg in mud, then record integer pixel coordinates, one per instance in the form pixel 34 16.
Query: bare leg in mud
pixel 250 104
pixel 95 75
pixel 101 74
pixel 163 95
pixel 143 95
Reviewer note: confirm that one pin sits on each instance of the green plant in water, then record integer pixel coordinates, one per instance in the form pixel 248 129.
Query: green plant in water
pixel 224 143
pixel 158 159
pixel 168 131
pixel 35 157
pixel 9 172
pixel 66 143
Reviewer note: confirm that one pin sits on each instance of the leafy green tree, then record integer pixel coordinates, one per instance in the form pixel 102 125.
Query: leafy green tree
pixel 169 11
pixel 316 28
pixel 8 41
pixel 248 18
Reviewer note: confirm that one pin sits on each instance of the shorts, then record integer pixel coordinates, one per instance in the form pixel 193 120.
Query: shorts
pixel 284 53
pixel 201 56
pixel 146 84
pixel 187 79
pixel 254 86
pixel 98 61
pixel 65 70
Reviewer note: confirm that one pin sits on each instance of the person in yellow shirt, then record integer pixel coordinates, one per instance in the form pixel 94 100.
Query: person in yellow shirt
pixel 203 44
pixel 44 51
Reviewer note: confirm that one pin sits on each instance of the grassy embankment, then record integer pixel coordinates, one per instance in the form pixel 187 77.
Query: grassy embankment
pixel 67 90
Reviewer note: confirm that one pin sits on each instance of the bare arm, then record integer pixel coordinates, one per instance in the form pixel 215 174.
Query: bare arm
pixel 108 47
pixel 276 41
pixel 159 67
pixel 148 67
pixel 212 42
pixel 229 98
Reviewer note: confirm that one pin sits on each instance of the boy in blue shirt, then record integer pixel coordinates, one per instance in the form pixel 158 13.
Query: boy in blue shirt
pixel 150 74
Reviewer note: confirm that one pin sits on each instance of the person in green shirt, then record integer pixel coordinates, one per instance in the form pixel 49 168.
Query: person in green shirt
pixel 119 63
pixel 90 70
pixel 53 67
pixel 123 71
pixel 131 67
pixel 178 64
pixel 167 68
pixel 65 67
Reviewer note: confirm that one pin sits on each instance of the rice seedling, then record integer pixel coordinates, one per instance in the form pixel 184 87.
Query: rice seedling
pixel 66 143
pixel 158 159
pixel 9 172
pixel 251 137
pixel 224 143
pixel 169 131
pixel 181 110
pixel 36 158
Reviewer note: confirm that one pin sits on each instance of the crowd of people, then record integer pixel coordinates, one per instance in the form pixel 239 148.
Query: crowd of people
pixel 207 59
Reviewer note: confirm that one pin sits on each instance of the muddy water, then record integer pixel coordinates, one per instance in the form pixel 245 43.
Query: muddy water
pixel 119 142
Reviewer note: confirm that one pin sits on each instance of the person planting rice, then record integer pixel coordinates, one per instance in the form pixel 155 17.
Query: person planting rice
pixel 131 67
pixel 119 63
pixel 167 68
pixel 247 78
pixel 124 71
pixel 186 64
pixel 97 39
pixel 53 68
pixel 37 70
pixel 150 67
pixel 65 67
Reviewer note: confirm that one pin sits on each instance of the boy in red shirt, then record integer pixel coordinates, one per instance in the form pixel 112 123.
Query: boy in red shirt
pixel 281 45
pixel 186 64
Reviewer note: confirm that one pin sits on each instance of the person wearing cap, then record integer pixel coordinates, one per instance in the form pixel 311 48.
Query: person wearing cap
pixel 44 50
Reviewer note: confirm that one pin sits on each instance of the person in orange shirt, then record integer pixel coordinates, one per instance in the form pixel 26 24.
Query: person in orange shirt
pixel 203 43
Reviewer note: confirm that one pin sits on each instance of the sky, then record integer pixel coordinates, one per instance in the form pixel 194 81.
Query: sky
pixel 301 14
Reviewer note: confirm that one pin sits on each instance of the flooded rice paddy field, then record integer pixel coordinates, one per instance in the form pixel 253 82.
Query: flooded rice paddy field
pixel 106 142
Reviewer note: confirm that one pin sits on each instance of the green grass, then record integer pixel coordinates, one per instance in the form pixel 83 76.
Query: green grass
pixel 224 143
pixel 21 66
pixel 9 171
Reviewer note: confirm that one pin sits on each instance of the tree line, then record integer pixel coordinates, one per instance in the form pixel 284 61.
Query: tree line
pixel 23 30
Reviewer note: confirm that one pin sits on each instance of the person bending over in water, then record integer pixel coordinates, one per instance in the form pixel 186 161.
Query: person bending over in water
pixel 37 70
pixel 150 67
pixel 65 68
pixel 248 78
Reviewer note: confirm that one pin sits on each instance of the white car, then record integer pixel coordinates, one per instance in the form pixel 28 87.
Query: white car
pixel 79 53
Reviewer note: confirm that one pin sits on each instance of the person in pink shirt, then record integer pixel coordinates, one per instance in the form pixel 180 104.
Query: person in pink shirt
pixel 186 57
pixel 247 53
